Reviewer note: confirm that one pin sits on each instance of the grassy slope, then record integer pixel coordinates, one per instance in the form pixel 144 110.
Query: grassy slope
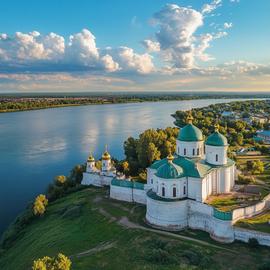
pixel 85 219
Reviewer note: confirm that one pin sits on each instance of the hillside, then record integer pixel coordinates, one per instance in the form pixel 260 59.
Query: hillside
pixel 99 233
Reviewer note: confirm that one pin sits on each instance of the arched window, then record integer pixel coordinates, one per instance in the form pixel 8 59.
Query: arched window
pixel 216 157
pixel 178 150
pixel 193 152
pixel 174 191
pixel 151 181
pixel 163 191
pixel 184 191
pixel 185 151
pixel 198 151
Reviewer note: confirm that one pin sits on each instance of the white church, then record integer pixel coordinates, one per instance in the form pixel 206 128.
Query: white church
pixel 177 186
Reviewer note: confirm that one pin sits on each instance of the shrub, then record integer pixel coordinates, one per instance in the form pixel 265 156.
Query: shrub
pixel 245 179
pixel 61 262
pixel 40 204
pixel 60 179
pixel 193 257
pixel 253 242
pixel 264 266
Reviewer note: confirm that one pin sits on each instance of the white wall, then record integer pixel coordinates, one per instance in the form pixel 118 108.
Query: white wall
pixel 121 193
pixel 172 215
pixel 189 146
pixel 96 179
pixel 169 184
pixel 244 235
pixel 195 188
pixel 212 151
pixel 128 194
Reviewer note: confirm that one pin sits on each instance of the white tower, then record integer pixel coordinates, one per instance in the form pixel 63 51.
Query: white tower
pixel 90 164
pixel 190 142
pixel 216 147
pixel 106 161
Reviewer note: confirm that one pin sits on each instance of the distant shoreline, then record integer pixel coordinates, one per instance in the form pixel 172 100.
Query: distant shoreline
pixel 17 104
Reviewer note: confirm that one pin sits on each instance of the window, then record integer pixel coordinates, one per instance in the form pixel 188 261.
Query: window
pixel 163 191
pixel 216 157
pixel 151 181
pixel 174 191
pixel 193 152
pixel 198 151
pixel 185 151
pixel 178 150
pixel 184 191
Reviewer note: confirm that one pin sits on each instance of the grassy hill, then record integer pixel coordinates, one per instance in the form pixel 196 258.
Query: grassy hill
pixel 99 233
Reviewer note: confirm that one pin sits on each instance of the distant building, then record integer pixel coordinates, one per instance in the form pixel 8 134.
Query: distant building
pixel 227 114
pixel 259 119
pixel 263 135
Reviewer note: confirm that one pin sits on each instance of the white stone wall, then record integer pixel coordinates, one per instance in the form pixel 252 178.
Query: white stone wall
pixel 190 146
pixel 195 188
pixel 121 193
pixel 90 166
pixel 139 196
pixel 151 176
pixel 172 215
pixel 244 235
pixel 212 151
pixel 96 179
pixel 180 184
pixel 128 194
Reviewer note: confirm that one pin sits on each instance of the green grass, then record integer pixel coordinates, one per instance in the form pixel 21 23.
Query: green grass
pixel 88 218
pixel 258 223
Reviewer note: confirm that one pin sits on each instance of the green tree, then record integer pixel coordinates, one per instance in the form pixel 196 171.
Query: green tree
pixel 61 262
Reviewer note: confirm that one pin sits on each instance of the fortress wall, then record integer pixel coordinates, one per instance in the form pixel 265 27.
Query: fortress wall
pixel 244 235
pixel 171 215
pixel 121 193
pixel 139 196
pixel 252 210
pixel 197 207
pixel 219 230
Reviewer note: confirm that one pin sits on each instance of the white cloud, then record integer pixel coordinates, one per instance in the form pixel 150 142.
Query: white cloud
pixel 34 51
pixel 109 64
pixel 175 36
pixel 82 48
pixel 228 25
pixel 151 46
pixel 130 61
pixel 208 8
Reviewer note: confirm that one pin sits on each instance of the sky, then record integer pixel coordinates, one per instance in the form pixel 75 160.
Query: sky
pixel 154 45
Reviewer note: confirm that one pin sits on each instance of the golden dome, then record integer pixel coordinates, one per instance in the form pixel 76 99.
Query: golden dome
pixel 106 155
pixel 170 157
pixel 189 118
pixel 91 158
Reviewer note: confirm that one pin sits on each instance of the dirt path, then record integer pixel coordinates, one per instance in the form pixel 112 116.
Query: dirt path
pixel 124 221
pixel 98 248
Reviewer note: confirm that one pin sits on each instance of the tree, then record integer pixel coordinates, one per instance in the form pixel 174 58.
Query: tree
pixel 61 262
pixel 40 204
pixel 257 167
pixel 60 179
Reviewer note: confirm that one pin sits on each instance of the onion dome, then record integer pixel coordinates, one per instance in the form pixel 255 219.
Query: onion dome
pixel 169 170
pixel 106 154
pixel 91 158
pixel 216 138
pixel 190 133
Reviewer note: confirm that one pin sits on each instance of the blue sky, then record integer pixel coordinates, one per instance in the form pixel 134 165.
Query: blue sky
pixel 153 45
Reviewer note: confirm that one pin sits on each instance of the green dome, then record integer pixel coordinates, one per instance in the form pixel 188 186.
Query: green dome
pixel 216 139
pixel 169 171
pixel 190 133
